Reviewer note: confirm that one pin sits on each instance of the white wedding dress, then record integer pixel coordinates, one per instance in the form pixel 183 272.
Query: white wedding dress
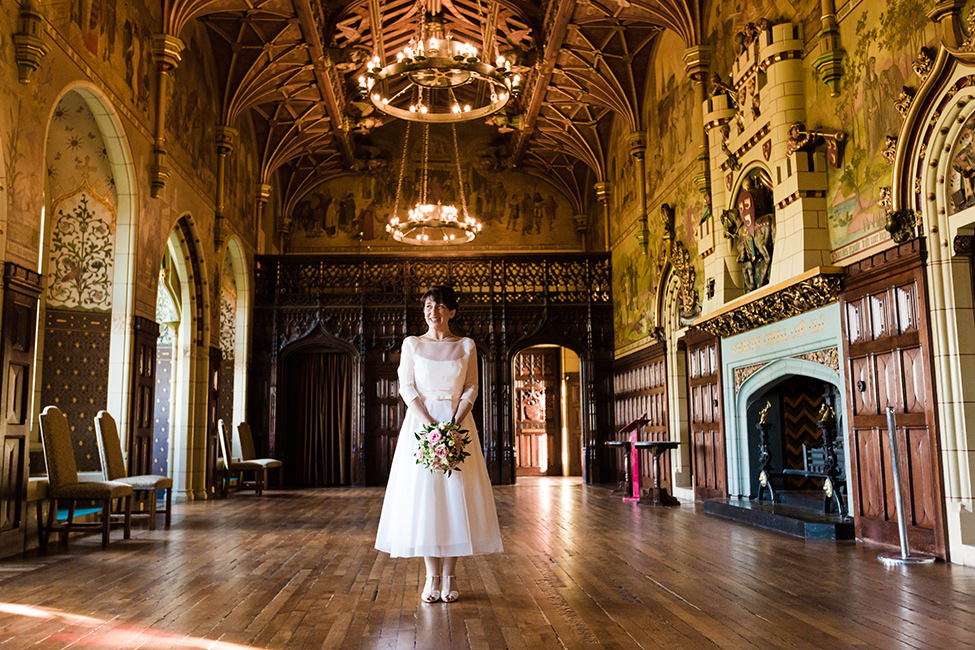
pixel 427 513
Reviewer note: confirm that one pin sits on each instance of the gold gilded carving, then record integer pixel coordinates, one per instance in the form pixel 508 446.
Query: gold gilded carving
pixel 829 357
pixel 790 301
pixel 904 100
pixel 890 149
pixel 923 63
pixel 743 373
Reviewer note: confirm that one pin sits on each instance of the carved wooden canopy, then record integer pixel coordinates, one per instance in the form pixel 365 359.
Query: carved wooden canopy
pixel 293 66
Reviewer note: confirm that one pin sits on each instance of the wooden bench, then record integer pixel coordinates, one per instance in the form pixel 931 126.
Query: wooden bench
pixel 814 466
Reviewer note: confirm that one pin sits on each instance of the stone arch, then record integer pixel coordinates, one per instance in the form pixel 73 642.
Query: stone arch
pixel 188 449
pixel 121 280
pixel 736 427
pixel 927 142
pixel 235 264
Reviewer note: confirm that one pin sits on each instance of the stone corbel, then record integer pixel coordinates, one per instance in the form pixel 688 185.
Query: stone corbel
pixel 902 225
pixel 29 46
pixel 829 63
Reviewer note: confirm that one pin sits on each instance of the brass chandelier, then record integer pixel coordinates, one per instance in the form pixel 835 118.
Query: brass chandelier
pixel 437 79
pixel 432 224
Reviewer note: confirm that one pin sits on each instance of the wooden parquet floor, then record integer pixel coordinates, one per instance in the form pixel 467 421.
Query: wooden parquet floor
pixel 296 569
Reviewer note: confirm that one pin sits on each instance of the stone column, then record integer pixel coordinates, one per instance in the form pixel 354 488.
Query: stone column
pixel 637 142
pixel 166 52
pixel 226 137
pixel 602 194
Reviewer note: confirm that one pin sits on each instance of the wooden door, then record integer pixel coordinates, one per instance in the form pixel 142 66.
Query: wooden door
pixel 654 374
pixel 383 418
pixel 573 422
pixel 143 396
pixel 213 397
pixel 538 411
pixel 888 363
pixel 707 431
pixel 21 289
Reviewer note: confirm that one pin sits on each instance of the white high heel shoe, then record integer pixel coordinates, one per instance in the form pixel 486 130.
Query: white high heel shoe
pixel 431 590
pixel 447 593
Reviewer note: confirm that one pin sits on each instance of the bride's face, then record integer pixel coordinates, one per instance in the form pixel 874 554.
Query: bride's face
pixel 436 315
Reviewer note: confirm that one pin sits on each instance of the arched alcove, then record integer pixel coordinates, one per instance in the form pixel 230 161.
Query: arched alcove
pixel 318 400
pixel 86 254
pixel 234 305
pixel 741 444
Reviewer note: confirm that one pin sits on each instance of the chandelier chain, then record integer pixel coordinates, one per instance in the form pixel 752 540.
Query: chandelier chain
pixel 460 178
pixel 426 158
pixel 402 170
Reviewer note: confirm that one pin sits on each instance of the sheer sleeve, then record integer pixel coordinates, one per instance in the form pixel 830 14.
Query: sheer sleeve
pixel 407 382
pixel 469 393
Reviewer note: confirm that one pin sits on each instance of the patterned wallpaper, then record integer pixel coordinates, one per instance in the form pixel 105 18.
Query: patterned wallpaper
pixel 162 411
pixel 228 310
pixel 82 210
pixel 75 375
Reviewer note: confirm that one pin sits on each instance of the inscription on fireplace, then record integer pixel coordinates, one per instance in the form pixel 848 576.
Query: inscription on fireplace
pixel 804 327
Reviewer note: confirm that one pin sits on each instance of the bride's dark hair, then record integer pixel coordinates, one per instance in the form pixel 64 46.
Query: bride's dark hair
pixel 441 294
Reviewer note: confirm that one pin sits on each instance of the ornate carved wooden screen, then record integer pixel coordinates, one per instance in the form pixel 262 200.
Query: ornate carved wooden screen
pixel 21 289
pixel 143 396
pixel 641 389
pixel 888 356
pixel 706 416
pixel 508 303
pixel 538 413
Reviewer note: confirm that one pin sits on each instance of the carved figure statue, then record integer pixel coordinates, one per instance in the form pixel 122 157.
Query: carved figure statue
pixel 826 413
pixel 902 225
pixel 763 414
pixel 750 225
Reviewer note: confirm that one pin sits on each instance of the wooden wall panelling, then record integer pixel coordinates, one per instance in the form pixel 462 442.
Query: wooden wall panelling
pixel 383 419
pixel 142 402
pixel 508 303
pixel 21 290
pixel 887 350
pixel 706 416
pixel 213 401
pixel 640 388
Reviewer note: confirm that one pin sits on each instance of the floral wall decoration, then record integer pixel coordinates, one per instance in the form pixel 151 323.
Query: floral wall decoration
pixel 228 310
pixel 83 211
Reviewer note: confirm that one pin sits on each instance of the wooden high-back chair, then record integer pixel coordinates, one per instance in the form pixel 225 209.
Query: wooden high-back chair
pixel 231 470
pixel 246 441
pixel 113 464
pixel 63 484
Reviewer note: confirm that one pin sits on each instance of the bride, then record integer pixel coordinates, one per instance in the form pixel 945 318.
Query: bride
pixel 427 513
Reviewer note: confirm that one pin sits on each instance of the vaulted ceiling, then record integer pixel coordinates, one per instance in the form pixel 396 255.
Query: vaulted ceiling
pixel 293 65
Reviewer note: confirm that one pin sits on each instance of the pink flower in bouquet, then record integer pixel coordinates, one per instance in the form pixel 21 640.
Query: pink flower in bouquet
pixel 442 452
pixel 434 437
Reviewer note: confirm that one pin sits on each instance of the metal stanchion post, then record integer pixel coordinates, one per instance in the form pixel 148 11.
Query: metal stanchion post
pixel 905 556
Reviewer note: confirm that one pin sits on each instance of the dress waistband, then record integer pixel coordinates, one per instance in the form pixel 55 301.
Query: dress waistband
pixel 439 396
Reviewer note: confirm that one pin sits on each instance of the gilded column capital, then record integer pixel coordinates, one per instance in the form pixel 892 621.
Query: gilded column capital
pixel 29 46
pixel 167 51
pixel 637 143
pixel 226 138
pixel 602 191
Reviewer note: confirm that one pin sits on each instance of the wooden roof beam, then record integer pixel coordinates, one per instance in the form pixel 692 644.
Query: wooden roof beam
pixel 553 45
pixel 327 84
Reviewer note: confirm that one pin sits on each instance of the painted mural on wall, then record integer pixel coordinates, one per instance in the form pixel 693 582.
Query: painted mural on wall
pixel 349 213
pixel 881 43
pixel 961 188
pixel 82 210
pixel 193 115
pixel 637 276
pixel 671 151
pixel 727 19
pixel 117 36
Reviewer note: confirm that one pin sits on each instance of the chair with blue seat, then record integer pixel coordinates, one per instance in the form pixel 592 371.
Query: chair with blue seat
pixel 64 486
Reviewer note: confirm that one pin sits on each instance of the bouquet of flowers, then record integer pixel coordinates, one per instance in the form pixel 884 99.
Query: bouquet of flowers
pixel 442 447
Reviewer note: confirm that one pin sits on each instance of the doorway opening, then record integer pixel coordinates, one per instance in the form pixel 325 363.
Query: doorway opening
pixel 547 407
